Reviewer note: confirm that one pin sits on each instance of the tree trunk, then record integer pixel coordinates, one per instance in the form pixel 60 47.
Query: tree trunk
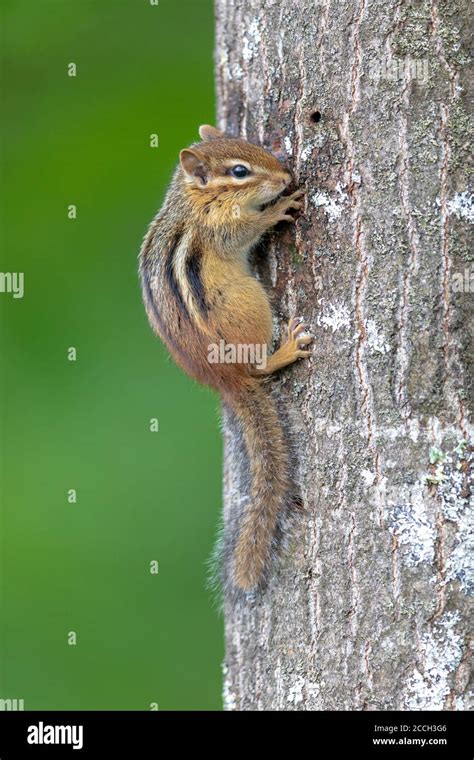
pixel 367 102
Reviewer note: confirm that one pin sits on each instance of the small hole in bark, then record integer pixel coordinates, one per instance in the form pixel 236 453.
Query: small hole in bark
pixel 315 117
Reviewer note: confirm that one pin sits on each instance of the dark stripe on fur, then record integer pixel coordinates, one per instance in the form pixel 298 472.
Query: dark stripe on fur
pixel 150 303
pixel 145 277
pixel 193 273
pixel 171 279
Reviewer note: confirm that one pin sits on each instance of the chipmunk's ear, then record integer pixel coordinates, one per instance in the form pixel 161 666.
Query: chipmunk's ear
pixel 194 166
pixel 207 132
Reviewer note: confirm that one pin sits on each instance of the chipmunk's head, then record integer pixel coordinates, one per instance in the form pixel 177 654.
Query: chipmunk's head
pixel 233 170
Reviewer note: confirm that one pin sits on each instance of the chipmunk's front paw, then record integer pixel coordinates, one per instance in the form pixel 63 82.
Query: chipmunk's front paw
pixel 298 338
pixel 286 202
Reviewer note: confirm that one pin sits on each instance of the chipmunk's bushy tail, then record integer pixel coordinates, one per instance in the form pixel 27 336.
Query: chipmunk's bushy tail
pixel 269 493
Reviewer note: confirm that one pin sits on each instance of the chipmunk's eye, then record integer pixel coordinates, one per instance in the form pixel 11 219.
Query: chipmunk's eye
pixel 239 171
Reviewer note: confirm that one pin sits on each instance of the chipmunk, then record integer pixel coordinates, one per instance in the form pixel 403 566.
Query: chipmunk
pixel 198 290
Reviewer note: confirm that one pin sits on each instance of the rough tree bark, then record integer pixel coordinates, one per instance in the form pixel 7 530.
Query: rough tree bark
pixel 367 100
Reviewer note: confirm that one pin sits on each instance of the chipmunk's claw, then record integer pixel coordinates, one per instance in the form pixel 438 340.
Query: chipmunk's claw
pixel 299 336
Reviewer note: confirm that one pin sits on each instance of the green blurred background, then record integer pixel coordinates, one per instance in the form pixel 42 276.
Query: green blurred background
pixel 141 496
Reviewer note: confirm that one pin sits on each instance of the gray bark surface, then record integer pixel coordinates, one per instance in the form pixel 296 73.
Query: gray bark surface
pixel 369 607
